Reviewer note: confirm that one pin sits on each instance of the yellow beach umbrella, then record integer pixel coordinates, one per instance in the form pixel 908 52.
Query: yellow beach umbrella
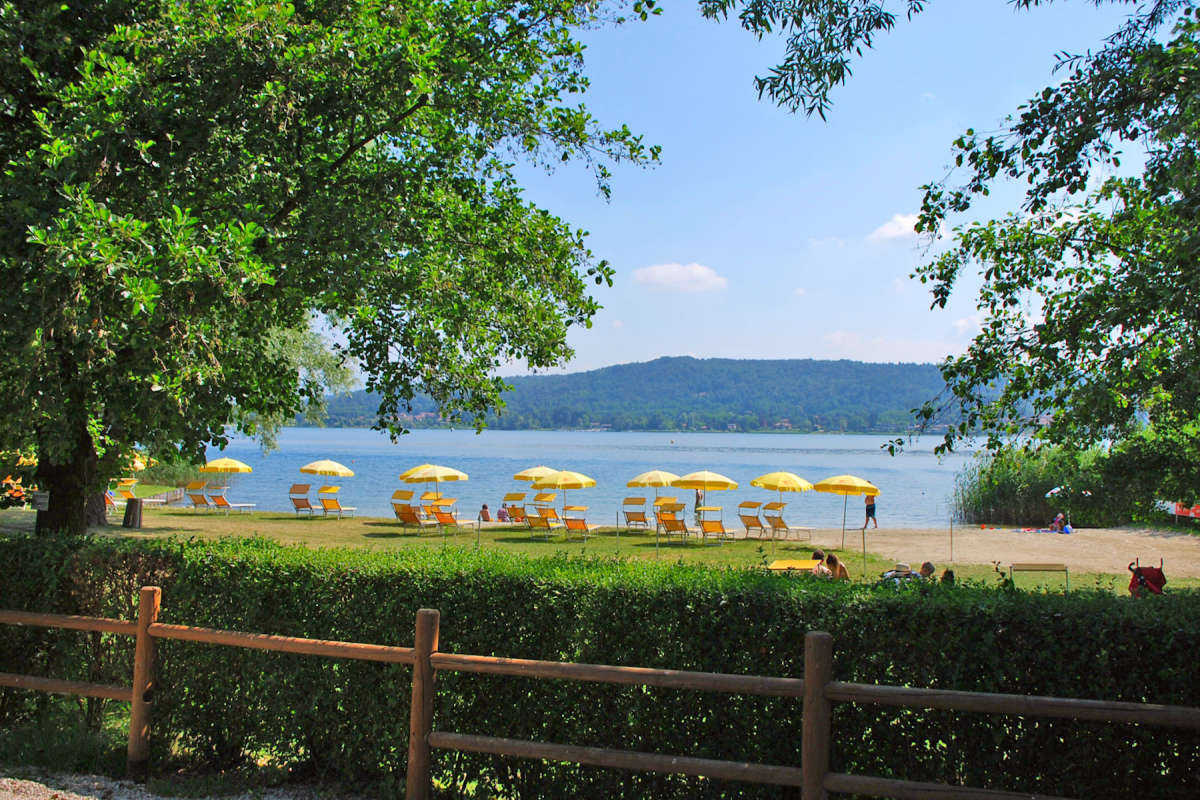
pixel 534 473
pixel 404 475
pixel 327 467
pixel 433 472
pixel 655 478
pixel 426 473
pixel 226 465
pixel 847 485
pixel 781 482
pixel 704 480
pixel 564 479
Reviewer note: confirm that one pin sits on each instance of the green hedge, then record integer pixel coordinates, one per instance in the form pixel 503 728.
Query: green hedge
pixel 348 720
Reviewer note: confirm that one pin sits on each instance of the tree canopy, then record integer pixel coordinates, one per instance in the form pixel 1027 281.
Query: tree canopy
pixel 1089 291
pixel 187 183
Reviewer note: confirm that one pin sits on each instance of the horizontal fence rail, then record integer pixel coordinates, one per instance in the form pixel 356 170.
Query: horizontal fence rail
pixel 56 686
pixel 816 690
pixel 284 644
pixel 914 790
pixel 69 621
pixel 619 759
pixel 1022 705
pixel 636 676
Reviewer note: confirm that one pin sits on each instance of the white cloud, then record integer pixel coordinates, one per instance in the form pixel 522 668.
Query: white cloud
pixel 616 323
pixel 828 241
pixel 967 325
pixel 681 277
pixel 928 97
pixel 800 291
pixel 899 226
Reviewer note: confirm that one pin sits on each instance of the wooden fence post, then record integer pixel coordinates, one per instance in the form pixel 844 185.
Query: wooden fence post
pixel 137 756
pixel 818 712
pixel 420 720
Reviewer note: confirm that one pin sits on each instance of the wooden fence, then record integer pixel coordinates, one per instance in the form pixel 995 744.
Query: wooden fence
pixel 817 691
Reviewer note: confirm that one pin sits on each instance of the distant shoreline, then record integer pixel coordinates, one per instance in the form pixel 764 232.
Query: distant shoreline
pixel 783 431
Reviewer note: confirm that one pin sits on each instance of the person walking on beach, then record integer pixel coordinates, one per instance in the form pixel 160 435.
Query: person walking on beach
pixel 869 500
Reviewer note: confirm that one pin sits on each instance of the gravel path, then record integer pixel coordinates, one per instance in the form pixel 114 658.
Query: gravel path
pixel 1103 550
pixel 35 785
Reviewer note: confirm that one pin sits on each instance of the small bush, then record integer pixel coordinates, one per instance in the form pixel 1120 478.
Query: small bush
pixel 1011 487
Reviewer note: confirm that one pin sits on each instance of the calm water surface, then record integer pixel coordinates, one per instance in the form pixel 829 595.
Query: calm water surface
pixel 915 486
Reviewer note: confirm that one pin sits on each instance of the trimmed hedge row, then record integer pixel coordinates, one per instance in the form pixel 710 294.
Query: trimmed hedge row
pixel 348 720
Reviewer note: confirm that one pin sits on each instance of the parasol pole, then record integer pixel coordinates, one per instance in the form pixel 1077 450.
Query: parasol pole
pixel 845 500
pixel 864 552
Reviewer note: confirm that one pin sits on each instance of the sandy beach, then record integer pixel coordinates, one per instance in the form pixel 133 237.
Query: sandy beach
pixel 1107 550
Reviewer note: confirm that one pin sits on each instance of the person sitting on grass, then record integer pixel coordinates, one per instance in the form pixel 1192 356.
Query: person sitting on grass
pixel 836 568
pixel 819 569
pixel 897 575
pixel 927 570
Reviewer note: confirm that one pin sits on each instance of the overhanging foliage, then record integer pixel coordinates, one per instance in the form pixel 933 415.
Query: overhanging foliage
pixel 185 181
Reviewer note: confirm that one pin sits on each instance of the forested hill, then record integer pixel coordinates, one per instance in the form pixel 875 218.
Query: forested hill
pixel 685 393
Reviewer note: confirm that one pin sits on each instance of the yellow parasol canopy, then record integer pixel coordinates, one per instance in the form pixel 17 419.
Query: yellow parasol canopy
pixel 655 478
pixel 564 479
pixel 404 475
pixel 846 484
pixel 226 465
pixel 534 473
pixel 327 467
pixel 433 472
pixel 782 482
pixel 704 481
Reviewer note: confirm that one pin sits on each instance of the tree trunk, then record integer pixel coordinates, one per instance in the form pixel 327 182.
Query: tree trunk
pixel 71 488
pixel 97 512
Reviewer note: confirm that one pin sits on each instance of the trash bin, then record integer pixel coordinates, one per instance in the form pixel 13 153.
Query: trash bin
pixel 133 514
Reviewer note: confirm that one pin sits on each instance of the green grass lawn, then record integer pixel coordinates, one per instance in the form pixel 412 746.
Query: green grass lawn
pixel 386 534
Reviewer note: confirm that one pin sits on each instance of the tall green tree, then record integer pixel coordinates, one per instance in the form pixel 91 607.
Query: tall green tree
pixel 1091 328
pixel 184 183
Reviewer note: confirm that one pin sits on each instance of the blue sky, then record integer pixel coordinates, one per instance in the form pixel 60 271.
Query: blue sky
pixel 766 234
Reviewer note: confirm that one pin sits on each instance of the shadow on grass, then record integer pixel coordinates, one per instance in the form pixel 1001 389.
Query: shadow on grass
pixel 391 530
pixel 528 540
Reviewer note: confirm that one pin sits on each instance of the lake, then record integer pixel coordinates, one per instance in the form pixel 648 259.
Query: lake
pixel 915 487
